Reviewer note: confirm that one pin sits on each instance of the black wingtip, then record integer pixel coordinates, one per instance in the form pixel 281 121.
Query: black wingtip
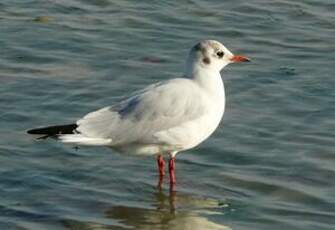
pixel 54 130
pixel 31 131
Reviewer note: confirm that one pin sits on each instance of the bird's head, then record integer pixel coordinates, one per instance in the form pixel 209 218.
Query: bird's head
pixel 212 55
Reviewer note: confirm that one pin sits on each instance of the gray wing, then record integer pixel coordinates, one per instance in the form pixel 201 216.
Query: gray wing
pixel 157 108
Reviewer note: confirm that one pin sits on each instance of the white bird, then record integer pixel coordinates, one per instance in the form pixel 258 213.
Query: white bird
pixel 163 119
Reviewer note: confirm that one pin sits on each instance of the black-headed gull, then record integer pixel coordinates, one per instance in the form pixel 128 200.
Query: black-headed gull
pixel 164 118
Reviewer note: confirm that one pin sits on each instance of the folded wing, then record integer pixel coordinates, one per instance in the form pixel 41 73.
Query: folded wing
pixel 140 118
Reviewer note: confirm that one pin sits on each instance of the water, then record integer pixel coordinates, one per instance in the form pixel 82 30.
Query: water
pixel 270 164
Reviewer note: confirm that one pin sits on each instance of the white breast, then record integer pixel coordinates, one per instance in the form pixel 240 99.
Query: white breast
pixel 192 133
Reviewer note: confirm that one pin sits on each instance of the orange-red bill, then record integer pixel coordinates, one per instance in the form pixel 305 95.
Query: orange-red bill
pixel 239 58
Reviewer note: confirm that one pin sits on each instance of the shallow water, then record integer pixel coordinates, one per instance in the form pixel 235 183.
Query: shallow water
pixel 270 164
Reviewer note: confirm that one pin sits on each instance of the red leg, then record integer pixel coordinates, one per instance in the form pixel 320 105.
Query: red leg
pixel 161 167
pixel 172 168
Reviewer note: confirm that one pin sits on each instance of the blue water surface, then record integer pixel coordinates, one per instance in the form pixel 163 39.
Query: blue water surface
pixel 270 164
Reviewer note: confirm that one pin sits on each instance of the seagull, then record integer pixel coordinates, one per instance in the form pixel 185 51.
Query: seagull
pixel 164 118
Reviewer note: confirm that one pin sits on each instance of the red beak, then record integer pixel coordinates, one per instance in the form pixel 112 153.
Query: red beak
pixel 239 58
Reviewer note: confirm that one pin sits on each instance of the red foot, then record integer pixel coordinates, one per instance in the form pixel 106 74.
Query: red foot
pixel 172 168
pixel 161 170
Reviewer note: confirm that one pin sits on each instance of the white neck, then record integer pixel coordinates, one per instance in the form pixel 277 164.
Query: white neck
pixel 208 79
pixel 211 84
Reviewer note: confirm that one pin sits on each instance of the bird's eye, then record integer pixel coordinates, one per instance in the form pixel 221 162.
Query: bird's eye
pixel 220 54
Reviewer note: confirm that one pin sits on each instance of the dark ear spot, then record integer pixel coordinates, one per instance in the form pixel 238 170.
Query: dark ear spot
pixel 197 46
pixel 206 60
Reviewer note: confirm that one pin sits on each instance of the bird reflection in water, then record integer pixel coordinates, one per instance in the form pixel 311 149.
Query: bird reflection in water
pixel 172 211
pixel 168 212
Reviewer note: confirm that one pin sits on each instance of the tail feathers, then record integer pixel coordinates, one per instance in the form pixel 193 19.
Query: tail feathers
pixel 67 134
pixel 54 130
pixel 83 140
